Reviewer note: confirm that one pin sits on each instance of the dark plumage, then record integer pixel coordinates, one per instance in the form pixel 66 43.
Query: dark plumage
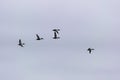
pixel 20 43
pixel 56 30
pixel 90 50
pixel 55 33
pixel 55 36
pixel 38 38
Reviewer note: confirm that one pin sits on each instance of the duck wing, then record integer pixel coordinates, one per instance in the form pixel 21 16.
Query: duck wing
pixel 37 36
pixel 20 42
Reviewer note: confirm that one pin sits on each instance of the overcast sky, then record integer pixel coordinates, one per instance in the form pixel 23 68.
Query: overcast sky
pixel 82 24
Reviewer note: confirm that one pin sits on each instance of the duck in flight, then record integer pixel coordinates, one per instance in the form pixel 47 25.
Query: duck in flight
pixel 38 38
pixel 55 33
pixel 90 50
pixel 56 30
pixel 55 36
pixel 20 43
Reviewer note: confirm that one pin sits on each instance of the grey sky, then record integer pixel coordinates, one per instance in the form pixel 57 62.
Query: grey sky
pixel 83 24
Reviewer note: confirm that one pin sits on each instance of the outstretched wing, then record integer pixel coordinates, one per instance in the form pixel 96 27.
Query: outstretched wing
pixel 37 36
pixel 20 41
pixel 56 30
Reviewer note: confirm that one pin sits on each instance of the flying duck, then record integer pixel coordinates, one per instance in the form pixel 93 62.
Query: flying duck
pixel 89 50
pixel 20 43
pixel 38 38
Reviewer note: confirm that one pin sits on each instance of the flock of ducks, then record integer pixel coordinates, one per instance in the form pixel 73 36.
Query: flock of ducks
pixel 56 32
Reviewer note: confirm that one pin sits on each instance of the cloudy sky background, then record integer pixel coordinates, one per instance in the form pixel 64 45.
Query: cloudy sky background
pixel 83 24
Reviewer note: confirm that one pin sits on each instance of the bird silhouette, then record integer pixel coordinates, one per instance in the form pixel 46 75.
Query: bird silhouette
pixel 20 43
pixel 90 50
pixel 55 33
pixel 38 38
pixel 56 30
pixel 55 36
